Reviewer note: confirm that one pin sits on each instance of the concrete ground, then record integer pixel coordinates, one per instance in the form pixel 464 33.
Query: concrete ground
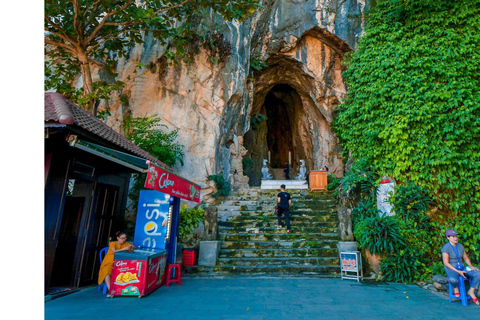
pixel 265 298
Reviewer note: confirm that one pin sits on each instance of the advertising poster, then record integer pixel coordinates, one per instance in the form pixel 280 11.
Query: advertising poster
pixel 128 278
pixel 349 261
pixel 151 226
pixel 166 182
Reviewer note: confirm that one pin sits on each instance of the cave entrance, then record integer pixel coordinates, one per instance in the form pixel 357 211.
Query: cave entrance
pixel 275 134
pixel 279 111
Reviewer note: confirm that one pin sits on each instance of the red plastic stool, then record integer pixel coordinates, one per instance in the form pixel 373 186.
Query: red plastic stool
pixel 177 278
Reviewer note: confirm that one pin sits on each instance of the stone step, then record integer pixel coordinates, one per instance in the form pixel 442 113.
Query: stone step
pixel 293 218
pixel 291 261
pixel 244 236
pixel 273 229
pixel 278 252
pixel 233 224
pixel 301 243
pixel 292 270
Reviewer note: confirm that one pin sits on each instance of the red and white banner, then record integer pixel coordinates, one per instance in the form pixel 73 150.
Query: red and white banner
pixel 166 182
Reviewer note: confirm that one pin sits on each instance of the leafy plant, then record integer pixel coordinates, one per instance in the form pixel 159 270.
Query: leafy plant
pixel 257 64
pixel 223 187
pixel 189 220
pixel 404 266
pixel 360 178
pixel 365 209
pixel 333 182
pixel 379 235
pixel 147 133
pixel 410 201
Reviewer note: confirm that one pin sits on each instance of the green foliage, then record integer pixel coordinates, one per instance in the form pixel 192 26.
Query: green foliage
pixel 410 201
pixel 223 187
pixel 82 33
pixel 379 235
pixel 365 209
pixel 413 108
pixel 147 133
pixel 403 266
pixel 257 64
pixel 360 178
pixel 189 220
pixel 333 182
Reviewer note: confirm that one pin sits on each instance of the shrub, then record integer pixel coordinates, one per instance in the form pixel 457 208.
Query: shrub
pixel 223 187
pixel 189 220
pixel 379 235
pixel 148 134
pixel 360 178
pixel 333 182
pixel 410 201
pixel 404 266
pixel 365 209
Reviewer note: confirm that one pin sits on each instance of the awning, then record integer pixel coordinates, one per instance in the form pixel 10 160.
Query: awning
pixel 122 158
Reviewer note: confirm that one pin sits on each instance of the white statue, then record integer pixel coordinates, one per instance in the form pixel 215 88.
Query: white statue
pixel 265 171
pixel 301 171
pixel 385 191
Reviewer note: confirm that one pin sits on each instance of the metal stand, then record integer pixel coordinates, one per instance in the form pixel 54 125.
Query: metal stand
pixel 351 265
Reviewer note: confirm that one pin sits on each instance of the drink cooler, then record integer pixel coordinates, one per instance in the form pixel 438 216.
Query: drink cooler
pixel 148 267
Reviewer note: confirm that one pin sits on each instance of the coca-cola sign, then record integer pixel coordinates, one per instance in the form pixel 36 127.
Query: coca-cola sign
pixel 166 182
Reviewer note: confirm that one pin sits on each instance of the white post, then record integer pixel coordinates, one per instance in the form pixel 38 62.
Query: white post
pixel 290 158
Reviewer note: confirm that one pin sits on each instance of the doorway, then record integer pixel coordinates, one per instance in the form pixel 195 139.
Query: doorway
pixel 77 203
pixel 85 229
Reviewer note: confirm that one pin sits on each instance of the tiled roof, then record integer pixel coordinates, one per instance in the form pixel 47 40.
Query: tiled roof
pixel 60 110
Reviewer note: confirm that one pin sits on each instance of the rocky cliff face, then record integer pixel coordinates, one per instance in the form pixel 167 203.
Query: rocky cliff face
pixel 212 98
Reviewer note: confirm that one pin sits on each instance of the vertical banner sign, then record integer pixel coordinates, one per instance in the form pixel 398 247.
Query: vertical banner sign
pixel 152 219
pixel 166 182
pixel 349 261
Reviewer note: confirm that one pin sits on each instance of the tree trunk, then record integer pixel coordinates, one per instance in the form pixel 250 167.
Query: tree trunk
pixel 87 80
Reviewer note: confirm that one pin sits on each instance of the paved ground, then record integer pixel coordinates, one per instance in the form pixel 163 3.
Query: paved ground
pixel 265 298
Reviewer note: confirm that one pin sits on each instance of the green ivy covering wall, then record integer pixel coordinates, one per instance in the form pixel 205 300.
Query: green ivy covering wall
pixel 413 111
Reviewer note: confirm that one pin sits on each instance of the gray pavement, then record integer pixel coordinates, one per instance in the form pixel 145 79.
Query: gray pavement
pixel 265 298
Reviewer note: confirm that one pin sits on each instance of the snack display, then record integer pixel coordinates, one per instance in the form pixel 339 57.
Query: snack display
pixel 126 278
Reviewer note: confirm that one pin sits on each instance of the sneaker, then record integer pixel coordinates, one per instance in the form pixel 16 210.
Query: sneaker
pixel 109 296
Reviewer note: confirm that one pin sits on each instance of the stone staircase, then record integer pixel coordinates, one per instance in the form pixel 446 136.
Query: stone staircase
pixel 252 244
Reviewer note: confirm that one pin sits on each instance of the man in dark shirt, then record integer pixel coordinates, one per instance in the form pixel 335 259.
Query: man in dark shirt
pixel 287 171
pixel 283 204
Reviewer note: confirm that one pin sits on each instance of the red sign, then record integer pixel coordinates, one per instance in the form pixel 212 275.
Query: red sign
pixel 166 182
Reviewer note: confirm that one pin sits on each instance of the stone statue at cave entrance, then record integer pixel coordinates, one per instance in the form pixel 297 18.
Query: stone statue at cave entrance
pixel 265 171
pixel 237 151
pixel 301 171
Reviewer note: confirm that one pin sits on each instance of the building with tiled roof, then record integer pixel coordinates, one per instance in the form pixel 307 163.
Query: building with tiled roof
pixel 88 170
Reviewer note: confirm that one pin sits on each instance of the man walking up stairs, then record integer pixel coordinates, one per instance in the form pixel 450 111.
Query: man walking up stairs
pixel 252 243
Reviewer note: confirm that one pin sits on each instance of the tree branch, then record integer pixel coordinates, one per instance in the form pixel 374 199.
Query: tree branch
pixel 104 20
pixel 76 24
pixel 172 7
pixel 60 45
pixel 62 34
